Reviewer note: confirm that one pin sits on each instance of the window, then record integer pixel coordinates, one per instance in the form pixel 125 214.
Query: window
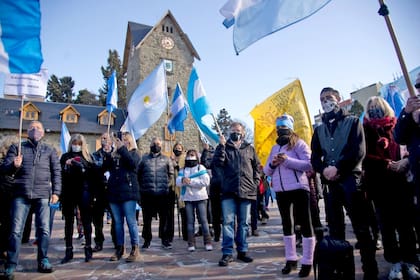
pixel 71 118
pixel 30 115
pixel 103 120
pixel 169 65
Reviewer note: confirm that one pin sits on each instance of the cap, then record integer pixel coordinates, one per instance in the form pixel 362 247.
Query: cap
pixel 285 120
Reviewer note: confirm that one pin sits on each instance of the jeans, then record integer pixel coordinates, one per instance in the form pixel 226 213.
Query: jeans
pixel 201 209
pixel 235 209
pixel 125 209
pixel 20 210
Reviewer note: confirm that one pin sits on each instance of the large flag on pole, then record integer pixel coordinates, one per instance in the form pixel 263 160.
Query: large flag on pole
pixel 178 112
pixel 255 19
pixel 20 42
pixel 396 92
pixel 290 100
pixel 148 102
pixel 65 138
pixel 200 108
pixel 112 95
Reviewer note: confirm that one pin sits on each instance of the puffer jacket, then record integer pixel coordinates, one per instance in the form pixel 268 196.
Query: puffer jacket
pixel 122 182
pixel 290 175
pixel 155 174
pixel 197 189
pixel 238 170
pixel 39 176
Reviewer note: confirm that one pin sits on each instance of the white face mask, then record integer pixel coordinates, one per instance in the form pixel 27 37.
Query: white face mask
pixel 190 158
pixel 329 105
pixel 76 148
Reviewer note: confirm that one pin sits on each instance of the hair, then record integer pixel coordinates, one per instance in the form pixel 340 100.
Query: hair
pixel 38 122
pixel 195 152
pixel 381 103
pixel 131 142
pixel 236 123
pixel 333 91
pixel 85 151
pixel 5 144
pixel 178 144
pixel 156 138
pixel 293 140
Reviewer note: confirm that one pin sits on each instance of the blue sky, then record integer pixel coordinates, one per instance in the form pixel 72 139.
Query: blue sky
pixel 346 45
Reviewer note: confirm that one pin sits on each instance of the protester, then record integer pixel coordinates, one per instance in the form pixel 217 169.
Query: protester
pixel 123 193
pixel 155 177
pixel 338 149
pixel 287 164
pixel 239 164
pixel 37 182
pixel 76 166
pixel 193 180
pixel 384 169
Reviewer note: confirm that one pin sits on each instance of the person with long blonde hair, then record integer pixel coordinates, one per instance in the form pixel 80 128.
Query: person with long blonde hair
pixel 76 166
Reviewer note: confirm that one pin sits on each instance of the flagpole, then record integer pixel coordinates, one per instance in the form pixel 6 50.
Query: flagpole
pixel 216 124
pixel 383 11
pixel 109 121
pixel 20 125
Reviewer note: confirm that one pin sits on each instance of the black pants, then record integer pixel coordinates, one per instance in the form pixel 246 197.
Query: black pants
pixel 152 204
pixel 216 213
pixel 98 211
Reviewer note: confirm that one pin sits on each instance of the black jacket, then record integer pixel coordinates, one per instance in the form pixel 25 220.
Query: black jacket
pixel 156 174
pixel 238 170
pixel 40 173
pixel 76 177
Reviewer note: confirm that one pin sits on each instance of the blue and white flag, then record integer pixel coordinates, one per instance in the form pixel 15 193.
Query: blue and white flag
pixel 199 107
pixel 65 138
pixel 112 95
pixel 20 42
pixel 396 92
pixel 178 111
pixel 148 102
pixel 255 19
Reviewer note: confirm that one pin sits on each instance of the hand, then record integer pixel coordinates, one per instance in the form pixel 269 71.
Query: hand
pixel 186 181
pixel 118 143
pixel 54 199
pixel 330 173
pixel 413 104
pixel 68 162
pixel 222 139
pixel 18 161
pixel 399 166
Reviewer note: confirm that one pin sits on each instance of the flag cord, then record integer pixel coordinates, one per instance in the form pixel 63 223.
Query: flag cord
pixel 383 11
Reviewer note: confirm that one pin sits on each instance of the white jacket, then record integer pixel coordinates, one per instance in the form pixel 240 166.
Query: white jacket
pixel 197 189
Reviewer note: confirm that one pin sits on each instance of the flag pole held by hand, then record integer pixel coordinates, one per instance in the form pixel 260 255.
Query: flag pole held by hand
pixel 216 124
pixel 20 124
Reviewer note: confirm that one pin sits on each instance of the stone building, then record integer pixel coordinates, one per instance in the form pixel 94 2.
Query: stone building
pixel 145 47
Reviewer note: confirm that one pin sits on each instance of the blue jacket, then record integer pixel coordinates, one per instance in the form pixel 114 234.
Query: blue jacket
pixel 39 176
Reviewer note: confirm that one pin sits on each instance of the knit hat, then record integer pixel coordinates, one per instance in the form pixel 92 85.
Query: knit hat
pixel 285 120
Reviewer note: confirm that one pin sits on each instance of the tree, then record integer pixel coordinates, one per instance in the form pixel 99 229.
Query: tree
pixel 86 97
pixel 114 63
pixel 60 90
pixel 356 109
pixel 223 120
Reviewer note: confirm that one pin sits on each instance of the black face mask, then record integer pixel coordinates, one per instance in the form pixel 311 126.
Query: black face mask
pixel 235 136
pixel 191 162
pixel 177 153
pixel 155 149
pixel 376 113
pixel 283 132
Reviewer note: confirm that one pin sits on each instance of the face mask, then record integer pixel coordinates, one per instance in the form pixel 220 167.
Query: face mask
pixel 177 153
pixel 329 106
pixel 76 148
pixel 35 134
pixel 191 161
pixel 283 132
pixel 235 136
pixel 155 149
pixel 376 113
pixel 283 140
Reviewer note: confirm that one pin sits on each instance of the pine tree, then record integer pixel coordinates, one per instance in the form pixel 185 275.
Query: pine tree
pixel 60 90
pixel 223 120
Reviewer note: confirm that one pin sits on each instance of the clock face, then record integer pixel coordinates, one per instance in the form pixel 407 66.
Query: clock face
pixel 167 43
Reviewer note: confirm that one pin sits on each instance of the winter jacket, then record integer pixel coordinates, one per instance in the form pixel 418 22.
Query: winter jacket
pixel 197 189
pixel 155 174
pixel 122 183
pixel 39 176
pixel 239 170
pixel 76 177
pixel 290 175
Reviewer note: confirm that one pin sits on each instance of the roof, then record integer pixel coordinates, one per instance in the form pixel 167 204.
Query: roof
pixel 50 116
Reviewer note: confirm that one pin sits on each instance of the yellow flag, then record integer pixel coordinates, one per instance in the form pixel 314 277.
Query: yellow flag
pixel 290 100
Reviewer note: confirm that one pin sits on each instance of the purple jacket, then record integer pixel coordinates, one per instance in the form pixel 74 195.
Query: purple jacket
pixel 290 175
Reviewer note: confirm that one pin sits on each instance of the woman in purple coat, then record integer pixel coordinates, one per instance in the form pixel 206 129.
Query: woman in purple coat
pixel 287 164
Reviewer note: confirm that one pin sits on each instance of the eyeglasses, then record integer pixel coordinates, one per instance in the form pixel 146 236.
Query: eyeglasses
pixel 417 85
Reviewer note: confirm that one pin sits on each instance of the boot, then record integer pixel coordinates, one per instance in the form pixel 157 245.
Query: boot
pixel 134 254
pixel 290 252
pixel 119 252
pixel 305 270
pixel 88 254
pixel 68 256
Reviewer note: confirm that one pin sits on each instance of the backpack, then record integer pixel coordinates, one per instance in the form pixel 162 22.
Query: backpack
pixel 333 260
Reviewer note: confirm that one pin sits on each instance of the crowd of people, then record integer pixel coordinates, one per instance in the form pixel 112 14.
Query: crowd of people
pixel 357 166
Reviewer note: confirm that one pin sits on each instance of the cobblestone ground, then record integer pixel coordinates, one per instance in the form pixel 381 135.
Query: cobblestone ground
pixel 176 263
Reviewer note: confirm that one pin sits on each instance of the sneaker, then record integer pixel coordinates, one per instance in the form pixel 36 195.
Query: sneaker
pixel 264 221
pixel 209 247
pixel 166 245
pixel 45 267
pixel 379 245
pixel 395 273
pixel 255 232
pixel 146 245
pixel 412 271
pixel 225 260
pixel 243 257
pixel 191 248
pixel 9 273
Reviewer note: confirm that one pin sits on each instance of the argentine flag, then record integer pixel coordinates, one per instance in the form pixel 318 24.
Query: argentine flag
pixel 178 111
pixel 65 138
pixel 20 42
pixel 112 95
